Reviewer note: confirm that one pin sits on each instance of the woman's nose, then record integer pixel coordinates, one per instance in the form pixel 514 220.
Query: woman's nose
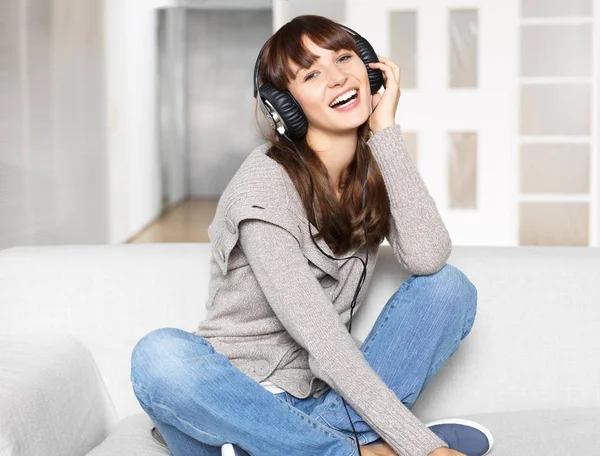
pixel 337 77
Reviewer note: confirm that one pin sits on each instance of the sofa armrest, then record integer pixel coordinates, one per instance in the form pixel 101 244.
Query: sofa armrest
pixel 52 398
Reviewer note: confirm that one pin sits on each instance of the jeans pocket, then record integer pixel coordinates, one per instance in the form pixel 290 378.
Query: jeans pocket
pixel 334 415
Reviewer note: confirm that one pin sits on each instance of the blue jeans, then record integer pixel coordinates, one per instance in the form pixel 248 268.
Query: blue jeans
pixel 199 401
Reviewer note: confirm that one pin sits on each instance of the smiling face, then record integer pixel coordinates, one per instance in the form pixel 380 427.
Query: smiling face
pixel 333 74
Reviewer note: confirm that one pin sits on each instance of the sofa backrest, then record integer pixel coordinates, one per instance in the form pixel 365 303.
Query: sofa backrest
pixel 534 343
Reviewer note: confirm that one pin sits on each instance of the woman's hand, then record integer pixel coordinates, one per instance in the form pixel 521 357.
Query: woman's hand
pixel 384 106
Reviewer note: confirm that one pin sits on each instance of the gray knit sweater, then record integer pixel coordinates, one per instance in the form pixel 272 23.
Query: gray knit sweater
pixel 279 309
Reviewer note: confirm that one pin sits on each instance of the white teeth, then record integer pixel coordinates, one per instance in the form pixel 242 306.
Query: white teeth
pixel 343 97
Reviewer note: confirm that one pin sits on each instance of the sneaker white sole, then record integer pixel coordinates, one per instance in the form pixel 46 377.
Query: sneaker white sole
pixel 477 426
pixel 227 450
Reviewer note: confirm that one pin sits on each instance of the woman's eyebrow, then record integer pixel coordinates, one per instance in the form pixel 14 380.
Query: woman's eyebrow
pixel 318 57
pixel 301 68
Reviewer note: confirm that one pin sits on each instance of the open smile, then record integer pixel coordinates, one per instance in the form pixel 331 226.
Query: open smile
pixel 349 104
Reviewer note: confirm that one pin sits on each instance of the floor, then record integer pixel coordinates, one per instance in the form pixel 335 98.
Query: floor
pixel 187 222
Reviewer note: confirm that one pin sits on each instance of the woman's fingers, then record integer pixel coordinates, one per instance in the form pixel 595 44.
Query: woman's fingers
pixel 388 72
pixel 383 70
pixel 395 68
pixel 387 61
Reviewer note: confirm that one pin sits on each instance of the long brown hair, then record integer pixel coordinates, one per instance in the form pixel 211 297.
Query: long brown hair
pixel 339 222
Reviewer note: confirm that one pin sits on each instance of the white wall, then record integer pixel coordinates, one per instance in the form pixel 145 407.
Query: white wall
pixel 79 161
pixel 172 105
pixel 134 162
pixel 285 10
pixel 52 123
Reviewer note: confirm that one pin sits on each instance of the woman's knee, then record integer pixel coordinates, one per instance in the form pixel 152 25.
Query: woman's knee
pixel 451 283
pixel 155 350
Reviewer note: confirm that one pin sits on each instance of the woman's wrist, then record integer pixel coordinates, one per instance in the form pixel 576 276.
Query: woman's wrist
pixel 380 127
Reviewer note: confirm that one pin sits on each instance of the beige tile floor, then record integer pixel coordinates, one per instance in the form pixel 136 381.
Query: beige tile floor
pixel 187 222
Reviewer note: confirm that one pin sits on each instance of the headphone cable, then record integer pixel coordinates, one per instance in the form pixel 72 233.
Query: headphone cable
pixel 364 263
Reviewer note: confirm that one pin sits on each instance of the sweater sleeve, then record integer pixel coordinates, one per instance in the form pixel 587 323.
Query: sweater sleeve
pixel 307 313
pixel 417 233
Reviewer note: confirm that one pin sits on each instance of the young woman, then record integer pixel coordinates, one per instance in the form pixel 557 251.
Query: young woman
pixel 272 366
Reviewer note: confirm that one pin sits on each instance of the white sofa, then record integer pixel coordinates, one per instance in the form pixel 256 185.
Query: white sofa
pixel 71 315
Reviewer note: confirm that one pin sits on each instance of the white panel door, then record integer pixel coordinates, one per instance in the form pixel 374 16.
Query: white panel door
pixel 433 109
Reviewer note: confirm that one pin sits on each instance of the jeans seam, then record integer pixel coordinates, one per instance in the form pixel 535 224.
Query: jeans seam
pixel 358 434
pixel 165 407
pixel 469 320
pixel 333 432
pixel 328 424
pixel 136 385
pixel 441 359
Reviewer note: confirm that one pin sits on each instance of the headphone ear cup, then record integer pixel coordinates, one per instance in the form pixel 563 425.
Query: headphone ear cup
pixel 368 55
pixel 288 110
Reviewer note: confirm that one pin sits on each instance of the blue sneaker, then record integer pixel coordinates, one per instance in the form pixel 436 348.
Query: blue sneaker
pixel 229 449
pixel 156 435
pixel 466 436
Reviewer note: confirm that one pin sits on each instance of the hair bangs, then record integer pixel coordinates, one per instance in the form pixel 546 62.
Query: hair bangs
pixel 287 44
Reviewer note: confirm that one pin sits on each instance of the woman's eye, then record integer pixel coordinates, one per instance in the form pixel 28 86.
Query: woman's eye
pixel 309 76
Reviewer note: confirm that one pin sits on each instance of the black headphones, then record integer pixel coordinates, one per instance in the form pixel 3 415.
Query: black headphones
pixel 281 109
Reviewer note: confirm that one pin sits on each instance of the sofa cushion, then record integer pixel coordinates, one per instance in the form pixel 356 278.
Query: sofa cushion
pixel 520 433
pixel 132 437
pixel 53 401
pixel 542 432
